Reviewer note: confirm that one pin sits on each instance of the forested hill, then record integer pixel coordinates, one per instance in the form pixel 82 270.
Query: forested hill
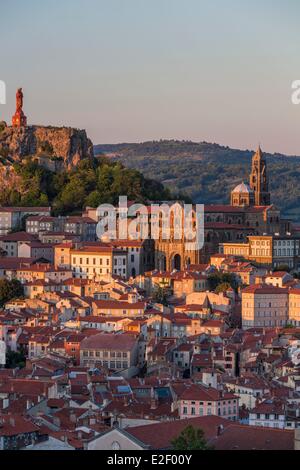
pixel 207 172
pixel 90 183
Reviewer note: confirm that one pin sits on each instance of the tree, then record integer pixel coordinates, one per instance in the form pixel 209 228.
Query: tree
pixel 160 295
pixel 3 126
pixel 222 287
pixel 282 267
pixel 15 359
pixel 10 290
pixel 190 439
pixel 215 279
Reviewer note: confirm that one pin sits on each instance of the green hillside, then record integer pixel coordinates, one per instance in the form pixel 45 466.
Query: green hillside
pixel 91 183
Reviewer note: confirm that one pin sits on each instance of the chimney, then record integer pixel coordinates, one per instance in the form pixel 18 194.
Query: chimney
pixel 153 403
pixel 220 429
pixel 153 399
pixel 12 421
pixel 132 297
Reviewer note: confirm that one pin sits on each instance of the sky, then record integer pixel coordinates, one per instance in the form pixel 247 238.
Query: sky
pixel 135 70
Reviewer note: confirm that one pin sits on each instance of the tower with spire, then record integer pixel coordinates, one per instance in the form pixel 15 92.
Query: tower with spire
pixel 259 179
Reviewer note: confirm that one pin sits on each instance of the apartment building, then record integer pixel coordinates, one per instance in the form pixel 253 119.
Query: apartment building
pixel 12 242
pixel 265 306
pixel 90 262
pixel 12 218
pixel 294 307
pixel 198 400
pixel 270 250
pixel 117 352
pixel 84 227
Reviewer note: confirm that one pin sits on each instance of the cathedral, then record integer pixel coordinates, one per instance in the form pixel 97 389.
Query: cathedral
pixel 250 212
pixel 257 192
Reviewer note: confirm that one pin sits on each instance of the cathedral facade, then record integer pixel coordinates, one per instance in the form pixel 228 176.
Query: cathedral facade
pixel 249 213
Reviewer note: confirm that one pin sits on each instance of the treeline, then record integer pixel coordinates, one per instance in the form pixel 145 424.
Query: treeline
pixel 91 183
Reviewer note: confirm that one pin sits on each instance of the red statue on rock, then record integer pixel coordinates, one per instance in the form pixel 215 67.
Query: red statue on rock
pixel 19 119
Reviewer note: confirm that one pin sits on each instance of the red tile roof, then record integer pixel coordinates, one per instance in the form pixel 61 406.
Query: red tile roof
pixel 160 435
pixel 263 289
pixel 109 341
pixel 12 425
pixel 202 393
pixel 241 437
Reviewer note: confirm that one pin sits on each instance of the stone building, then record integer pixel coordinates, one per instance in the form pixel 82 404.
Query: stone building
pixel 265 306
pixel 250 213
pixel 242 196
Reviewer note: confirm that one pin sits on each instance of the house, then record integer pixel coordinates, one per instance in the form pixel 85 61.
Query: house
pixel 91 261
pixel 132 307
pixel 249 388
pixel 17 431
pixel 220 433
pixel 12 218
pixel 182 355
pixel 199 400
pixel 279 278
pixel 117 352
pixel 270 414
pixel 12 242
pixel 37 250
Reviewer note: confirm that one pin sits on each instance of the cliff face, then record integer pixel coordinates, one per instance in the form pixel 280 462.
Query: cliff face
pixel 71 145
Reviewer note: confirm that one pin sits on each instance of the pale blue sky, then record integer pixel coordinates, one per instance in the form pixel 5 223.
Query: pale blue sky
pixel 134 70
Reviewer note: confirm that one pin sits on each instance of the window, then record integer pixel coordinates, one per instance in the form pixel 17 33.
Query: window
pixel 185 410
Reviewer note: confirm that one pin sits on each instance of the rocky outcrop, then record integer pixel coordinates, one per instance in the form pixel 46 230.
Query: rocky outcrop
pixel 66 143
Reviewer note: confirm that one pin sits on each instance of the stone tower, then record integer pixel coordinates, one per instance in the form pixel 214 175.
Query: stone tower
pixel 259 179
pixel 19 119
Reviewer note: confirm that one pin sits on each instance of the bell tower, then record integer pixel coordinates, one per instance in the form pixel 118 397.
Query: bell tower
pixel 259 179
pixel 19 119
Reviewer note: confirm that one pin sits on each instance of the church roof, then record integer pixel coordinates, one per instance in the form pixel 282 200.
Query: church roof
pixel 242 188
